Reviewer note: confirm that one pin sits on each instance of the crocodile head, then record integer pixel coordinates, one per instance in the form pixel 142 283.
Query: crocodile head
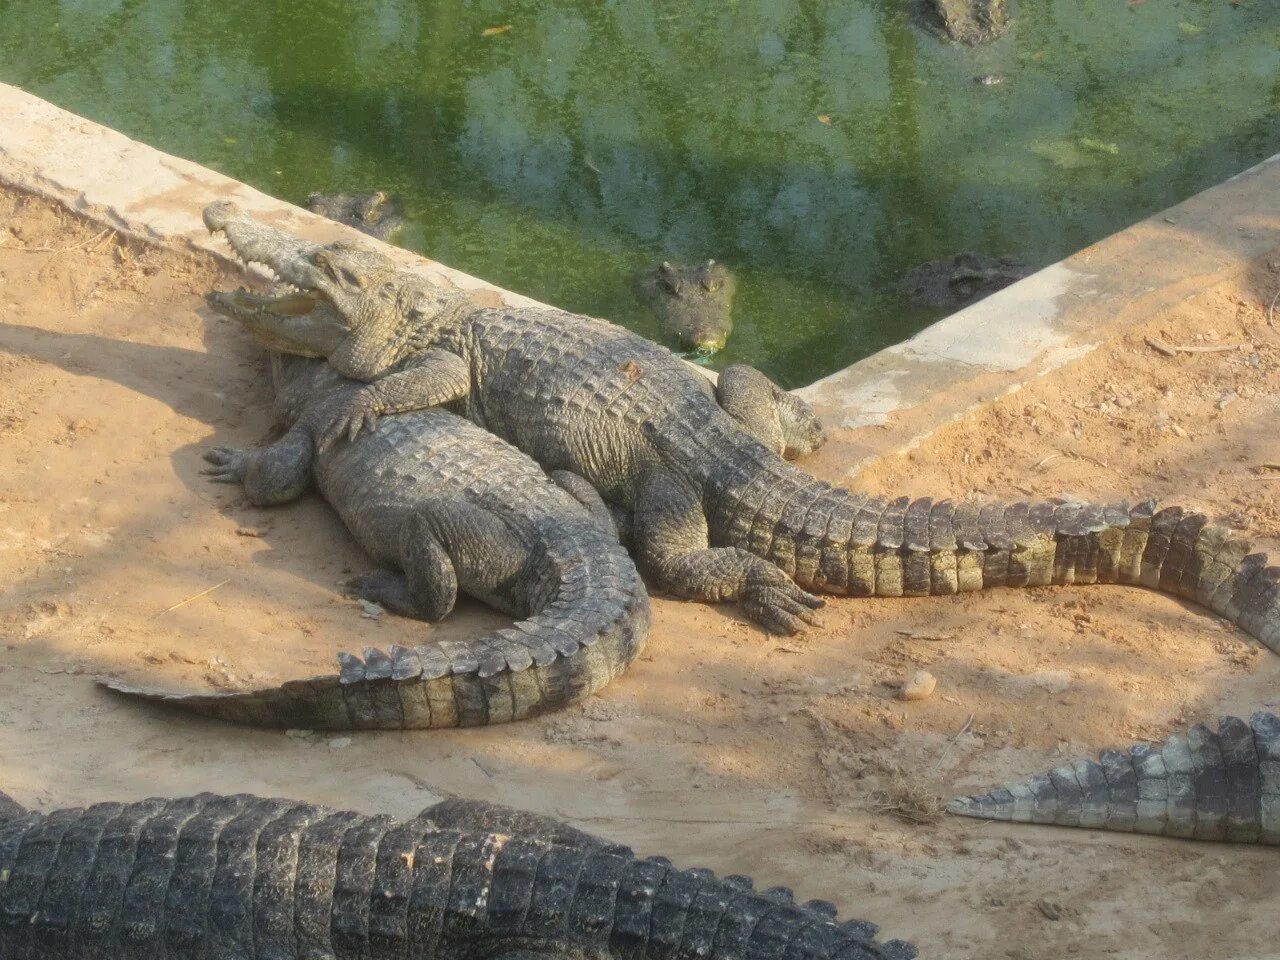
pixel 386 312
pixel 695 304
pixel 373 213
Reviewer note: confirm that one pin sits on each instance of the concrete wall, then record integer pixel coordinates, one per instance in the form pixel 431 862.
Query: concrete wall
pixel 887 402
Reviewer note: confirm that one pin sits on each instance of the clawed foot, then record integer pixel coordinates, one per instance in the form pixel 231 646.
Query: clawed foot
pixel 387 589
pixel 360 413
pixel 228 464
pixel 774 601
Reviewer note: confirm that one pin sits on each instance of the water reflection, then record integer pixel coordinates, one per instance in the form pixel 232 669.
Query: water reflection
pixel 822 149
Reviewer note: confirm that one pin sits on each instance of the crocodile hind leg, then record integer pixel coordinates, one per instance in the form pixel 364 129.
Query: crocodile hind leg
pixel 670 532
pixel 449 546
pixel 784 423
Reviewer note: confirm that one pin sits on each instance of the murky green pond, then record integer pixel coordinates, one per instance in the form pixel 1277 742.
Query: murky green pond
pixel 820 147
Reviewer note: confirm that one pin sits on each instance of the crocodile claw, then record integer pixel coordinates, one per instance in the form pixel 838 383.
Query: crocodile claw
pixel 774 601
pixel 359 414
pixel 228 465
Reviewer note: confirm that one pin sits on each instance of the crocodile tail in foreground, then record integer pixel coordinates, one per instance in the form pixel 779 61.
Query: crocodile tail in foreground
pixel 255 879
pixel 1199 785
pixel 592 628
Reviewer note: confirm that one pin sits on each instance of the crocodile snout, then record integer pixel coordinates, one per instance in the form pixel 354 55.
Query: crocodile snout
pixel 221 212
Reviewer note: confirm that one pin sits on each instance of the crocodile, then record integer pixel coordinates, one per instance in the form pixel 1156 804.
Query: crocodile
pixel 373 213
pixel 1198 784
pixel 713 508
pixel 962 280
pixel 968 22
pixel 454 508
pixel 694 304
pixel 248 878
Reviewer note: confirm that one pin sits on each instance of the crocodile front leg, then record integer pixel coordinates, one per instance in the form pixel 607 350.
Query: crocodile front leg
pixel 782 422
pixel 271 475
pixel 431 378
pixel 670 533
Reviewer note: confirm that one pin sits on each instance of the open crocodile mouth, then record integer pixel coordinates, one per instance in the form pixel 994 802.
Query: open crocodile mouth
pixel 287 320
pixel 296 264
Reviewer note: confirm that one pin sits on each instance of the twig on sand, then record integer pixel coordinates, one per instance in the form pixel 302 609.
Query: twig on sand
pixel 197 596
pixel 945 753
pixel 1173 349
pixel 1271 312
pixel 66 249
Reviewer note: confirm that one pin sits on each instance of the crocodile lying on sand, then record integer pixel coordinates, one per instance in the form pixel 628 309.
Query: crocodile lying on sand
pixel 373 213
pixel 246 878
pixel 1199 785
pixel 694 304
pixel 710 502
pixel 454 508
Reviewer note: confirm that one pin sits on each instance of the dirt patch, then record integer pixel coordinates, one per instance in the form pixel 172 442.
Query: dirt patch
pixel 791 760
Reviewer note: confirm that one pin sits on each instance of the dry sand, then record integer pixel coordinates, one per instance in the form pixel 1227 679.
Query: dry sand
pixel 722 747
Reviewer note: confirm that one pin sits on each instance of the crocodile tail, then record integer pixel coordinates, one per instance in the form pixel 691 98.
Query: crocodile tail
pixel 1197 785
pixel 593 625
pixel 833 540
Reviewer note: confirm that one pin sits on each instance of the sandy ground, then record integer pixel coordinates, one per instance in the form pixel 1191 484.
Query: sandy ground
pixel 722 747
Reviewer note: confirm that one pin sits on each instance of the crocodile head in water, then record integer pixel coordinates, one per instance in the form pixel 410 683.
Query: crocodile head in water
pixel 695 304
pixel 373 213
pixel 385 312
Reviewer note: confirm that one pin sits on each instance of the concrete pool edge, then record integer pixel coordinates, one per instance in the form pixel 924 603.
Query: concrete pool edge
pixel 948 369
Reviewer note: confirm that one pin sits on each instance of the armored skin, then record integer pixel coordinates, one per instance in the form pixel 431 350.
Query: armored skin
pixel 453 508
pixel 694 304
pixel 246 878
pixel 717 514
pixel 1201 785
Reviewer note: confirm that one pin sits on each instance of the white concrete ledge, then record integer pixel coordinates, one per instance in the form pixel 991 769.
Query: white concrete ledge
pixel 1025 331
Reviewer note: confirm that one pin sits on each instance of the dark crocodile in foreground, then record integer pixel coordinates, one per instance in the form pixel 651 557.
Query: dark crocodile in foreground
pixel 1199 785
pixel 454 508
pixel 373 213
pixel 968 22
pixel 964 279
pixel 246 878
pixel 710 502
pixel 694 304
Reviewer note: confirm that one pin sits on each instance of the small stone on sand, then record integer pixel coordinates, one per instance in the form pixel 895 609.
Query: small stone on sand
pixel 919 686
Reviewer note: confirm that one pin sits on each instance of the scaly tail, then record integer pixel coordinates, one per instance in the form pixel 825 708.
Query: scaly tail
pixel 593 627
pixel 1199 785
pixel 833 540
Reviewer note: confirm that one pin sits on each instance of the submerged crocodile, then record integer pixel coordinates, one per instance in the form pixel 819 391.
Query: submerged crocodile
pixel 454 508
pixel 373 213
pixel 1199 785
pixel 962 280
pixel 711 504
pixel 247 878
pixel 694 304
pixel 968 22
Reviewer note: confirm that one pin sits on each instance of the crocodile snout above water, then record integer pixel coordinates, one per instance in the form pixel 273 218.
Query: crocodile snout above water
pixel 694 303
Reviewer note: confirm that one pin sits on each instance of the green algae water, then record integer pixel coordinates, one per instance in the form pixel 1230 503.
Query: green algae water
pixel 820 149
